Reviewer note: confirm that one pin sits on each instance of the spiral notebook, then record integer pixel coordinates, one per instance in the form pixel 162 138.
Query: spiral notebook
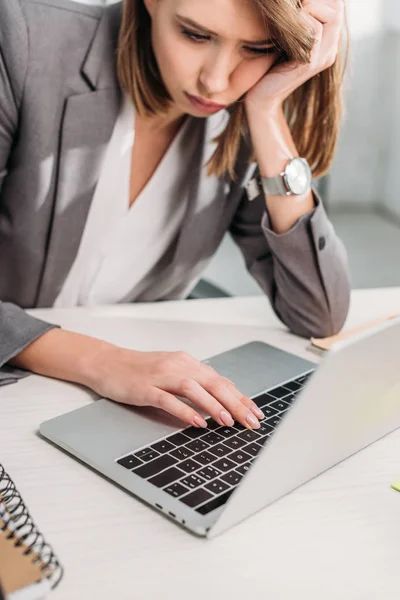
pixel 29 568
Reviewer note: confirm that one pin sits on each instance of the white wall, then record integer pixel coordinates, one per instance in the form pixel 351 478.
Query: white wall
pixel 368 157
pixel 391 201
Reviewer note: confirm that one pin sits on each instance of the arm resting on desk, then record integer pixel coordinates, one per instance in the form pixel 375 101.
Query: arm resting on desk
pixel 304 271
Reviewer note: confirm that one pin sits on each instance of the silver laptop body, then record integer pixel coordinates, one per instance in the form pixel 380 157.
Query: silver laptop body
pixel 351 400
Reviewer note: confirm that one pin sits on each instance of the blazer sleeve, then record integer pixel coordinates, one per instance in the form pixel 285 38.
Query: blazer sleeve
pixel 304 271
pixel 17 328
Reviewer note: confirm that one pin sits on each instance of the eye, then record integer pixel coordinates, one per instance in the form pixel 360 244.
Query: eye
pixel 197 37
pixel 193 35
pixel 262 51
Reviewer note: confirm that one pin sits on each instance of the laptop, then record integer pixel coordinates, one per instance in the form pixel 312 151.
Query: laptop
pixel 207 480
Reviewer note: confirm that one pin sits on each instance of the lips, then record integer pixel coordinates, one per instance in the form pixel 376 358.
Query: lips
pixel 206 103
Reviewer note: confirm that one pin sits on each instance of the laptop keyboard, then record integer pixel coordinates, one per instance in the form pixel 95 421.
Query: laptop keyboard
pixel 202 467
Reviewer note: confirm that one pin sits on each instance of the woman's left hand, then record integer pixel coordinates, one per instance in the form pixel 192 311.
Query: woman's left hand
pixel 326 19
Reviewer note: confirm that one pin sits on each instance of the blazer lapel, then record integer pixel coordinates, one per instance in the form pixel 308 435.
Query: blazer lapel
pixel 87 125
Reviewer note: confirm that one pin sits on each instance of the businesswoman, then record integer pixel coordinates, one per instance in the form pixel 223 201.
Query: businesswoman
pixel 132 138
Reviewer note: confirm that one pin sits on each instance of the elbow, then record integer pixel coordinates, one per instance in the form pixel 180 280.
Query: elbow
pixel 317 320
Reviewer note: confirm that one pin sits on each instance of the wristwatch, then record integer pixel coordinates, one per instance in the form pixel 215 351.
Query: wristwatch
pixel 294 180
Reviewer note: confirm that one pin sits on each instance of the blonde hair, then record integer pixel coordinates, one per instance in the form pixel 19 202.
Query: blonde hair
pixel 313 111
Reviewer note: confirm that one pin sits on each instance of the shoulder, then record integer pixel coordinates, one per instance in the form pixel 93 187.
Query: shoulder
pixel 54 7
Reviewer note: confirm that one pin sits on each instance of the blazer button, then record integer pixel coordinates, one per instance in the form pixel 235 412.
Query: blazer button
pixel 321 242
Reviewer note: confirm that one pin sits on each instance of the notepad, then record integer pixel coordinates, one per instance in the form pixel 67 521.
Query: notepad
pixel 321 345
pixel 28 565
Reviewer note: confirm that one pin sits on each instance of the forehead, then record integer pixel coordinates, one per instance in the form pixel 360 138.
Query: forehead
pixel 235 19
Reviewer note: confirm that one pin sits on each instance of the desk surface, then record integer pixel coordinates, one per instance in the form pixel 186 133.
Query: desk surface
pixel 336 537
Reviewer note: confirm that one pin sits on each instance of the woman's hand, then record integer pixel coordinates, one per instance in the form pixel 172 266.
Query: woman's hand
pixel 326 21
pixel 156 378
pixel 140 378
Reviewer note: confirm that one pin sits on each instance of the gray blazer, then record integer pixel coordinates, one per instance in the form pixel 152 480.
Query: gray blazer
pixel 59 100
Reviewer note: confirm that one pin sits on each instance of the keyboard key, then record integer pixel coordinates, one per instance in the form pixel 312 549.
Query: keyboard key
pixel 224 465
pixel 176 490
pixel 189 465
pixel 197 445
pixel 274 421
pixel 240 457
pixel 197 497
pixel 143 452
pixel 220 450
pixel 192 481
pixel 182 453
pixel 293 386
pixel 289 399
pixel 209 473
pixel 232 477
pixel 212 425
pixel 248 435
pixel 239 426
pixel 253 448
pixel 304 378
pixel 129 462
pixel 205 458
pixel 263 400
pixel 217 486
pixel 226 431
pixel 163 446
pixel 280 405
pixel 194 432
pixel 212 438
pixel 264 429
pixel 178 439
pixel 279 392
pixel 215 503
pixel 234 443
pixel 269 411
pixel 166 477
pixel 242 469
pixel 151 455
pixel 155 466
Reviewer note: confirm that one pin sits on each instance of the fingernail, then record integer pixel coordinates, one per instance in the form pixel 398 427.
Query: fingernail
pixel 226 418
pixel 257 411
pixel 199 422
pixel 252 421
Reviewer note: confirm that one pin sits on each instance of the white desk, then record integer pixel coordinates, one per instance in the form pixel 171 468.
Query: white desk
pixel 336 537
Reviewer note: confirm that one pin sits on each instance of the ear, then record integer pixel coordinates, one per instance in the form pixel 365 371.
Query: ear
pixel 150 6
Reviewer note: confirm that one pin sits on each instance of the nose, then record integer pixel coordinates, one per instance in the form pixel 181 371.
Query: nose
pixel 216 73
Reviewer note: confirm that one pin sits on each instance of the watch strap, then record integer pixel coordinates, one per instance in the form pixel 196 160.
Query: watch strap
pixel 275 186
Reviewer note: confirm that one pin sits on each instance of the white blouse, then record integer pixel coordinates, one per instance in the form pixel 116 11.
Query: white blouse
pixel 121 245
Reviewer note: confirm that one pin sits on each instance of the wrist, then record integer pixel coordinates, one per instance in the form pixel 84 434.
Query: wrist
pixel 64 355
pixel 269 111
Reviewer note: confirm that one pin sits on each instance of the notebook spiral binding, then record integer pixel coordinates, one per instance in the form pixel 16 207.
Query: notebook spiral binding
pixel 19 525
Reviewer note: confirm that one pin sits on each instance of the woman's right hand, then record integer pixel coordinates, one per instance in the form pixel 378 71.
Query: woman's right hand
pixel 157 378
pixel 140 378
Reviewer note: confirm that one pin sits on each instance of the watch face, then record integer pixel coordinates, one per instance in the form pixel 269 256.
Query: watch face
pixel 298 176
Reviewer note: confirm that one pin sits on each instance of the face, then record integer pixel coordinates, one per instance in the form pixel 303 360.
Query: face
pixel 213 50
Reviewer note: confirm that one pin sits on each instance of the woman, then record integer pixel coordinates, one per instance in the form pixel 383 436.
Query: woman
pixel 127 137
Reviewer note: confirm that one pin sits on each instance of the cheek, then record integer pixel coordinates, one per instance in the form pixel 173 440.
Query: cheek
pixel 172 60
pixel 250 72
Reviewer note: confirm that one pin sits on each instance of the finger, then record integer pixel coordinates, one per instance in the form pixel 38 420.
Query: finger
pixel 198 395
pixel 326 11
pixel 232 400
pixel 168 402
pixel 224 390
pixel 246 401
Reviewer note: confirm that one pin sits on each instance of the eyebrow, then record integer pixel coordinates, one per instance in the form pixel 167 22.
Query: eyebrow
pixel 202 28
